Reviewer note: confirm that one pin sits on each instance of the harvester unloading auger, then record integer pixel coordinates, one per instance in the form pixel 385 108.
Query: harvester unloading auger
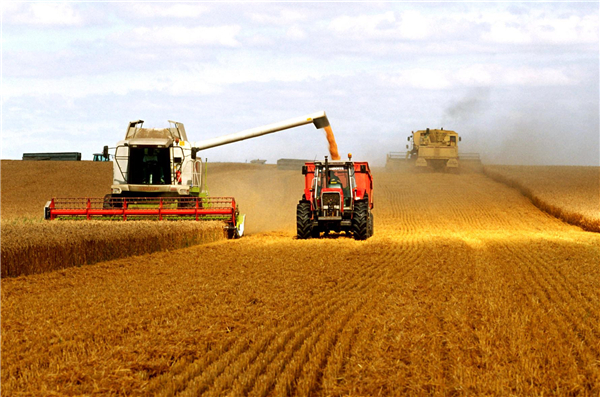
pixel 157 174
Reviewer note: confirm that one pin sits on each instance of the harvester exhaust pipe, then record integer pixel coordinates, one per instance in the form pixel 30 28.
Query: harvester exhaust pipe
pixel 319 119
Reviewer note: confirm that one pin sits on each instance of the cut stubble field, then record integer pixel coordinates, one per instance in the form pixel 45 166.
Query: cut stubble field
pixel 465 289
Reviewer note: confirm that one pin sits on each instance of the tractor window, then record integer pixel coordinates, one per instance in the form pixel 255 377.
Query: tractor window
pixel 337 178
pixel 149 166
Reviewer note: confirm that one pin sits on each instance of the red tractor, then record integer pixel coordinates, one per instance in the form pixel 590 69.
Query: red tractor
pixel 338 196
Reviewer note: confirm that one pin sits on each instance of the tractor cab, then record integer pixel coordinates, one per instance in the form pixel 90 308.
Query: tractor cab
pixel 335 179
pixel 332 184
pixel 100 157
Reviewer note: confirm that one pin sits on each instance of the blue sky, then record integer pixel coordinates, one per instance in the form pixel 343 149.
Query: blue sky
pixel 518 81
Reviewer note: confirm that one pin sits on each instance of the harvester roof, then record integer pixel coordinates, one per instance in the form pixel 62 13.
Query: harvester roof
pixel 431 130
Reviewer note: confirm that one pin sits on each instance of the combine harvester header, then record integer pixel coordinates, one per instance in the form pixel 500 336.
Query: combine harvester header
pixel 157 174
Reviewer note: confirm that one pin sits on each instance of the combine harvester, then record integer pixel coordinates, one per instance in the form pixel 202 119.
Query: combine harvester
pixel 431 148
pixel 338 196
pixel 157 174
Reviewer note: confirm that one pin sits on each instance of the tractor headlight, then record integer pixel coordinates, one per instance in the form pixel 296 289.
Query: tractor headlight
pixel 116 190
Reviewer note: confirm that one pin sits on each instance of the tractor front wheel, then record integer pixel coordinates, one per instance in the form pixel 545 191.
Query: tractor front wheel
pixel 303 220
pixel 360 221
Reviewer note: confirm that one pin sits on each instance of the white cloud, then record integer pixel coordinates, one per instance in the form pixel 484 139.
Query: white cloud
pixel 295 33
pixel 150 10
pixel 509 28
pixel 45 14
pixel 178 35
pixel 192 78
pixel 478 75
pixel 487 26
pixel 421 78
pixel 528 76
pixel 405 25
pixel 366 26
pixel 415 26
pixel 282 18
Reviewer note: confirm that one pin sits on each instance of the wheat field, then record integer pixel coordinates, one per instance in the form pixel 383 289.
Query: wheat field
pixel 465 289
pixel 38 247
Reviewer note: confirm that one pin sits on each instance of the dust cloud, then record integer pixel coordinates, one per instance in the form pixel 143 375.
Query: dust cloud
pixel 535 126
pixel 266 195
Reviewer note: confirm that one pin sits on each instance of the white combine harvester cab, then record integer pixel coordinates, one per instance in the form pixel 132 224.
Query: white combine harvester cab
pixel 155 162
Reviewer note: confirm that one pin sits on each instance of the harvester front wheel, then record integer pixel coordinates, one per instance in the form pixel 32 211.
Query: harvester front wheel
pixel 360 221
pixel 303 220
pixel 232 233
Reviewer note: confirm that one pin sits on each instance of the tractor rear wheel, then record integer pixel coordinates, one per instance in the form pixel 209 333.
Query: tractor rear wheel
pixel 371 231
pixel 360 221
pixel 303 220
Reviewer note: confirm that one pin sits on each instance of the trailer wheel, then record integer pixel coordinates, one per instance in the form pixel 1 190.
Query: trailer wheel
pixel 360 221
pixel 303 221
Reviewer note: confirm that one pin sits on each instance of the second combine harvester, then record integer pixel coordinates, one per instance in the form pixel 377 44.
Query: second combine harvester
pixel 436 149
pixel 157 174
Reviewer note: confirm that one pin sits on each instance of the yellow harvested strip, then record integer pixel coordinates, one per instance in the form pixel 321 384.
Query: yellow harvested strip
pixel 465 289
pixel 569 193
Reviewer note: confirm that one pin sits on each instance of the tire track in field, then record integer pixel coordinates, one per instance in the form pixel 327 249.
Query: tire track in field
pixel 583 341
pixel 569 283
pixel 556 296
pixel 339 356
pixel 281 352
pixel 301 370
pixel 295 371
pixel 210 370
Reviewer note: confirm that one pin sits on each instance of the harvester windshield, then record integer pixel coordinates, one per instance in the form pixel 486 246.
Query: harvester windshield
pixel 150 166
